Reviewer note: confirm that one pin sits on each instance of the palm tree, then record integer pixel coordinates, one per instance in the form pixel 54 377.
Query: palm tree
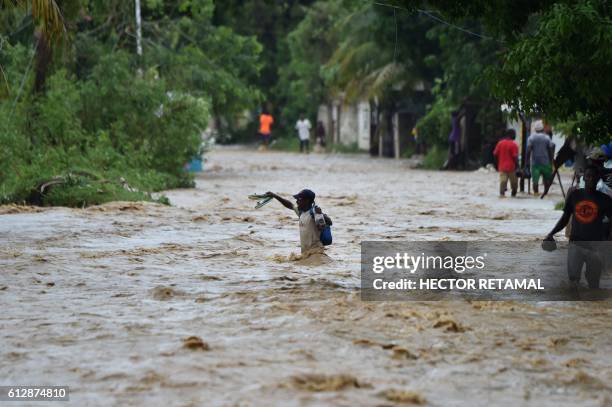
pixel 364 70
pixel 50 28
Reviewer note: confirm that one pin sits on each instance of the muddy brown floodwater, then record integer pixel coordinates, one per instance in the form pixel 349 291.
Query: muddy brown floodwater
pixel 203 304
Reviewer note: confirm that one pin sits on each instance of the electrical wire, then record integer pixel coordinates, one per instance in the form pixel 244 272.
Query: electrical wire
pixel 438 19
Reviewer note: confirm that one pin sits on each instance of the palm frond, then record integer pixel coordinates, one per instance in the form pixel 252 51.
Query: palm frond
pixel 49 14
pixel 383 78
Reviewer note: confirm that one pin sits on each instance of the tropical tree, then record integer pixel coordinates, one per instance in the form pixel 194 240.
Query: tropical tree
pixel 46 14
pixel 302 86
pixel 554 60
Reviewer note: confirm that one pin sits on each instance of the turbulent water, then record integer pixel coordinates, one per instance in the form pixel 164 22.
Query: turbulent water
pixel 104 299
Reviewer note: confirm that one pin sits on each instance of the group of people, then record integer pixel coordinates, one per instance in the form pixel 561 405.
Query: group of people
pixel 587 211
pixel 540 155
pixel 302 126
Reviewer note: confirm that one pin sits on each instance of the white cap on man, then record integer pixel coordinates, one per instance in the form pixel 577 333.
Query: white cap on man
pixel 538 125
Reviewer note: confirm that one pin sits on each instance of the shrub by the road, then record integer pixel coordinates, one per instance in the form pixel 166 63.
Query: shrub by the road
pixel 116 135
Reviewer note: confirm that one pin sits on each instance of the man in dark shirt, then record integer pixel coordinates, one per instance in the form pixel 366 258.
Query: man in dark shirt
pixel 588 207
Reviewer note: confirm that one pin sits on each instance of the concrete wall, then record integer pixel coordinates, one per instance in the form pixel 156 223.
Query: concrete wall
pixel 363 131
pixel 351 122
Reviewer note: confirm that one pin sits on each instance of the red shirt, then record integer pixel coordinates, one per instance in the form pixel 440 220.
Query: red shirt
pixel 506 152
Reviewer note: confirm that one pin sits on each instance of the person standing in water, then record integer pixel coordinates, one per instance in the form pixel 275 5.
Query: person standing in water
pixel 320 133
pixel 305 209
pixel 265 127
pixel 506 152
pixel 587 207
pixel 303 127
pixel 539 149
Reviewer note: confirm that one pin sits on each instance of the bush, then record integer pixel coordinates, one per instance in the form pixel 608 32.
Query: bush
pixel 435 126
pixel 435 158
pixel 116 135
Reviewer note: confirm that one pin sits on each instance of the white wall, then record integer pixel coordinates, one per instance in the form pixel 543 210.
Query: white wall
pixel 354 123
pixel 349 124
pixel 364 118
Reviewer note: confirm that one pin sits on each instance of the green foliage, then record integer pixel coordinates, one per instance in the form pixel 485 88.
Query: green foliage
pixel 435 158
pixel 286 144
pixel 270 22
pixel 408 152
pixel 365 63
pixel 563 70
pixel 104 124
pixel 302 85
pixel 554 57
pixel 435 126
pixel 192 54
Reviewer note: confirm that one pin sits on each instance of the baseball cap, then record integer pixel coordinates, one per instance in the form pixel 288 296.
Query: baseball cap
pixel 538 125
pixel 306 194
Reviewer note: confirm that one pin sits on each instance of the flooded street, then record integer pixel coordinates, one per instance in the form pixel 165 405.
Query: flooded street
pixel 102 299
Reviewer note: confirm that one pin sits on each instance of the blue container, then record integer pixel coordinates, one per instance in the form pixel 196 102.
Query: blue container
pixel 195 165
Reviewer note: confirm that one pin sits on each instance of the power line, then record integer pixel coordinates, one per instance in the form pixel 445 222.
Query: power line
pixel 438 19
pixel 465 30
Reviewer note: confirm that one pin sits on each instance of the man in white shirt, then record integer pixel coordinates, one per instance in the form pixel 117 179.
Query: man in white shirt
pixel 303 127
pixel 305 209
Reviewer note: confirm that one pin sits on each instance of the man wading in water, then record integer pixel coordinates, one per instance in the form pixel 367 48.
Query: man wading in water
pixel 310 231
pixel 588 207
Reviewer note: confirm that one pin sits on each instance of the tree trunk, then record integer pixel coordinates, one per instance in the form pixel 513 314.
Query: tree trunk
pixel 44 56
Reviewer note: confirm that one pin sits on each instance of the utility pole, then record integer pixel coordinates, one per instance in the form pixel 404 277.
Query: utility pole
pixel 138 29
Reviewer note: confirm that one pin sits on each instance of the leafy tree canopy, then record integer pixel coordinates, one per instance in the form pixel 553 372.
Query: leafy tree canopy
pixel 554 58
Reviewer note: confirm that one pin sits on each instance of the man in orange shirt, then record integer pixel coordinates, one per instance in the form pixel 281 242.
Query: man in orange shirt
pixel 506 152
pixel 265 127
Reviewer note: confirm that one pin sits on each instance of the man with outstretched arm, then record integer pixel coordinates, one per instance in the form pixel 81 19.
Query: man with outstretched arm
pixel 305 209
pixel 588 207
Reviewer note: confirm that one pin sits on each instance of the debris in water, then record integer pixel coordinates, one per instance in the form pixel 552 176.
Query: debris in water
pixel 364 342
pixel 164 293
pixel 195 343
pixel 319 382
pixel 575 362
pixel 556 342
pixel 449 325
pixel 200 218
pixel 403 396
pixel 582 379
pixel 403 353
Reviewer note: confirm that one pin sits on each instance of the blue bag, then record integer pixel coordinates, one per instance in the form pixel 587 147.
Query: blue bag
pixel 326 234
